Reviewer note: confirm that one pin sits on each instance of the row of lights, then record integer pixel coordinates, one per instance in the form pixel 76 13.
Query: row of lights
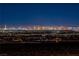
pixel 41 28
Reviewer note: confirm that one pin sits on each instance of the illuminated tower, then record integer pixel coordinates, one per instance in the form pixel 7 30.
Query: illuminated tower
pixel 5 28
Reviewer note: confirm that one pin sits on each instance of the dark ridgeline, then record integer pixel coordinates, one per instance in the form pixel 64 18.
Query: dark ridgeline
pixel 44 49
pixel 39 43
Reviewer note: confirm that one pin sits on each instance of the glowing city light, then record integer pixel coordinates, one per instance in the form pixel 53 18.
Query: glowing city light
pixel 40 28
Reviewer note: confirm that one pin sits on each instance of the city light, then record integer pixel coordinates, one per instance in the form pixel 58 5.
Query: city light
pixel 40 28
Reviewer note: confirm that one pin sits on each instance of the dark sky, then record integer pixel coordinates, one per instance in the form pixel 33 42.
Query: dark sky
pixel 39 14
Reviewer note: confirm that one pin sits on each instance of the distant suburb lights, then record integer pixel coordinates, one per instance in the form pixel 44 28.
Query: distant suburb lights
pixel 38 27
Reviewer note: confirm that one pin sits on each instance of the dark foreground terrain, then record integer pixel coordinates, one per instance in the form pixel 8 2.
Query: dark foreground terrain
pixel 40 49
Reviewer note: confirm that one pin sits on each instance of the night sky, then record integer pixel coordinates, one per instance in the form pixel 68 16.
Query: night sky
pixel 39 14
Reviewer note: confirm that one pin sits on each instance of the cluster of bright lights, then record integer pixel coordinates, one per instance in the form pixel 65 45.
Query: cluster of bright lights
pixel 41 28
